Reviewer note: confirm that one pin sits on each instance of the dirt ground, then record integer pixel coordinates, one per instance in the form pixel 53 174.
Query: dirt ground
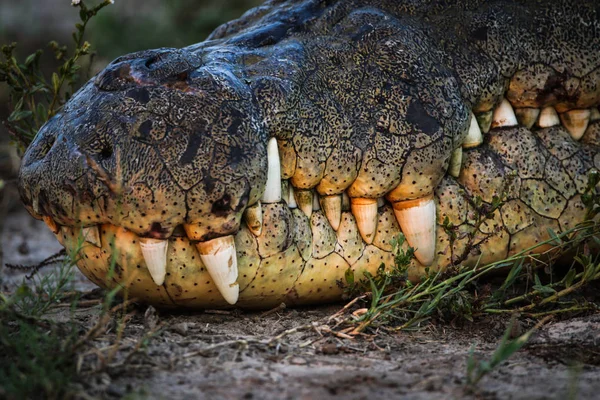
pixel 238 355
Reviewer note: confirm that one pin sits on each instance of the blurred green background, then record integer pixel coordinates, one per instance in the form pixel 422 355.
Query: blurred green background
pixel 124 27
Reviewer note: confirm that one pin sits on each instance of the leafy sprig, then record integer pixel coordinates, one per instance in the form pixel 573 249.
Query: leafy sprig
pixel 36 96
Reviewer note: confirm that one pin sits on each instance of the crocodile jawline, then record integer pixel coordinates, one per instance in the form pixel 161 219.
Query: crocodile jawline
pixel 257 167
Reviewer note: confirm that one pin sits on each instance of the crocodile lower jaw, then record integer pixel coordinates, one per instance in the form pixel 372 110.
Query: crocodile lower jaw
pixel 183 270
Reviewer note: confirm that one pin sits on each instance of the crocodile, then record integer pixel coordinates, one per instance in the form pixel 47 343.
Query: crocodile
pixel 293 144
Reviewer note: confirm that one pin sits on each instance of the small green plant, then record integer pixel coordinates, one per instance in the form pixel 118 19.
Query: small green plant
pixel 477 369
pixel 39 356
pixel 34 97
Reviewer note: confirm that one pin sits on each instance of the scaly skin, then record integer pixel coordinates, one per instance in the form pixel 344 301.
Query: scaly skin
pixel 366 97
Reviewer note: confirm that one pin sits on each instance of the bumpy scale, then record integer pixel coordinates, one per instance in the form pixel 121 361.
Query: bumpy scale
pixel 258 167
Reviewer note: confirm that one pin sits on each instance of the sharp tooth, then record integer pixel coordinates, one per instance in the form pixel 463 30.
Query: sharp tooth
pixel 345 202
pixel 504 115
pixel 332 206
pixel 474 137
pixel 220 258
pixel 484 120
pixel 291 199
pixel 287 193
pixel 304 198
pixel 155 255
pixel 576 122
pixel 548 117
pixel 594 114
pixel 455 162
pixel 417 219
pixel 380 202
pixel 92 235
pixel 272 192
pixel 365 212
pixel 253 217
pixel 316 204
pixel 527 116
pixel 51 224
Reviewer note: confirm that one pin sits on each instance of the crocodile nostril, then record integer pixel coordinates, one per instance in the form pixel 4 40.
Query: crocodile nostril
pixel 153 60
pixel 45 146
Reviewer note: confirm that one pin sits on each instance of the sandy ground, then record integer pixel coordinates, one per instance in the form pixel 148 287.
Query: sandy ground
pixel 236 355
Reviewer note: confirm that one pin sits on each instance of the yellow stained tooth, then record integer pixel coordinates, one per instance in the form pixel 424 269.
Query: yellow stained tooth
pixel 304 198
pixel 527 116
pixel 365 213
pixel 417 220
pixel 474 137
pixel 548 117
pixel 272 192
pixel 484 120
pixel 291 200
pixel 220 259
pixel 92 235
pixel 155 256
pixel 576 122
pixel 332 206
pixel 504 115
pixel 455 162
pixel 594 114
pixel 253 218
pixel 51 224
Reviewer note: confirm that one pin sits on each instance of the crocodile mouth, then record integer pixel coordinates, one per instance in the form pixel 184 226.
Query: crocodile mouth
pixel 296 246
pixel 207 177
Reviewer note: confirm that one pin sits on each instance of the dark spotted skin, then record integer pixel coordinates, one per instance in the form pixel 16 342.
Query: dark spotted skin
pixel 367 97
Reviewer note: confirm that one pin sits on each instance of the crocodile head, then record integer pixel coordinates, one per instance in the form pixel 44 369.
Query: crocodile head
pixel 291 146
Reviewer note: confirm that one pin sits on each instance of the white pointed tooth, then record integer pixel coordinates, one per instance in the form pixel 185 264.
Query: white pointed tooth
pixel 345 202
pixel 254 219
pixel 365 213
pixel 548 117
pixel 316 204
pixel 474 137
pixel 594 114
pixel 455 162
pixel 527 116
pixel 291 199
pixel 576 122
pixel 417 219
pixel 484 120
pixel 92 235
pixel 155 255
pixel 272 192
pixel 304 198
pixel 220 258
pixel 504 115
pixel 332 206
